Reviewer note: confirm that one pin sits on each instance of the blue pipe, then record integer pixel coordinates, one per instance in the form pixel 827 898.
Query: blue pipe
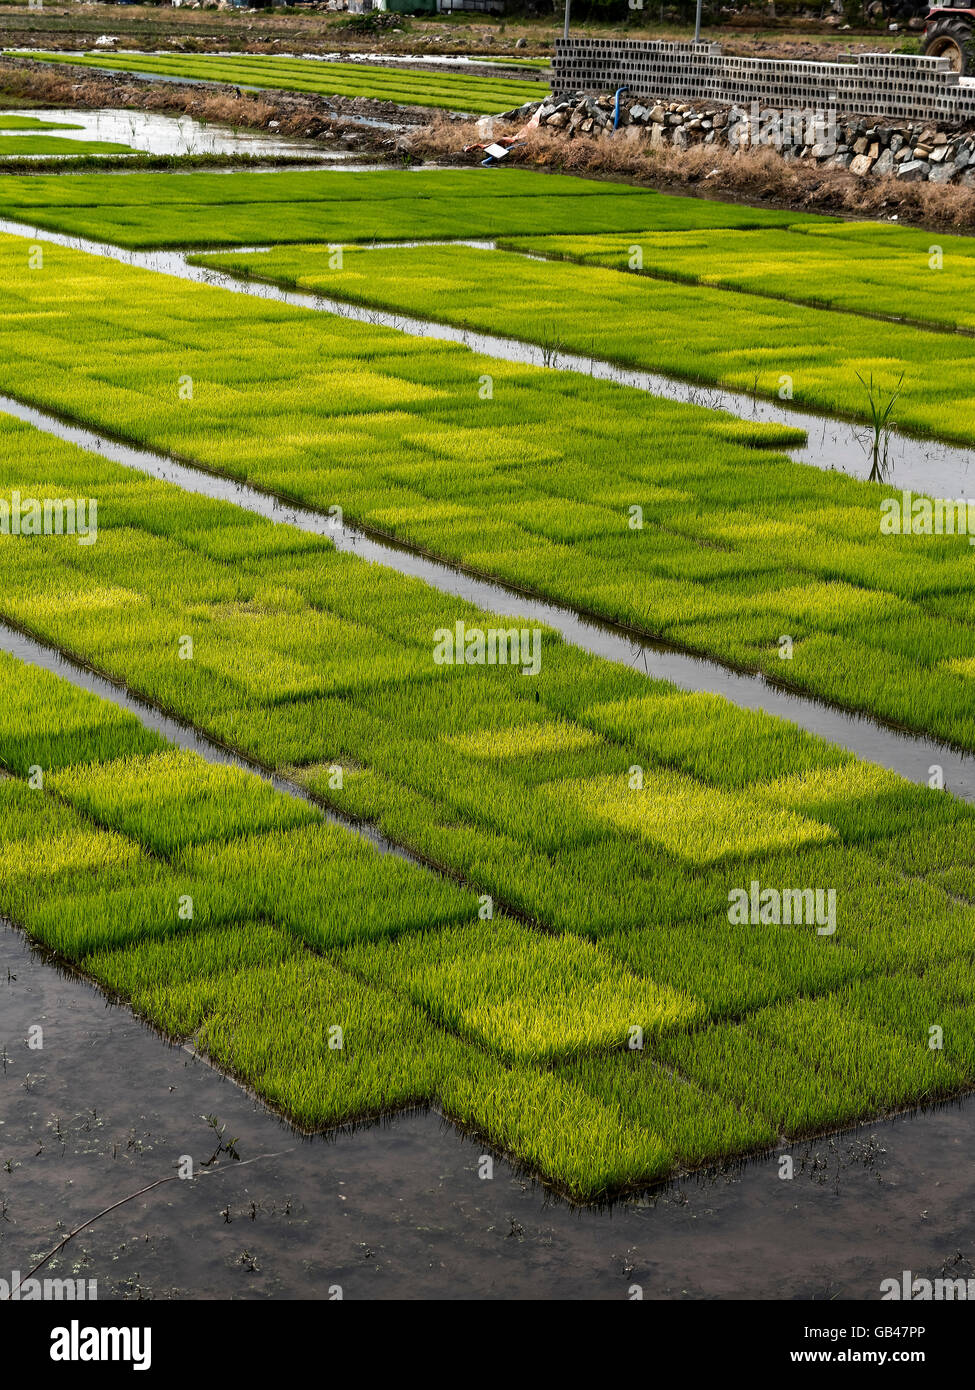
pixel 616 111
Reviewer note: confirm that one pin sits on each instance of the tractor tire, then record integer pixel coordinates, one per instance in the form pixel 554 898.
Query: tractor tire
pixel 952 39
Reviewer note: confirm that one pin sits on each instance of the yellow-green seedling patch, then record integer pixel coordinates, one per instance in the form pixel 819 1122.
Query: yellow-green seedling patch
pixel 687 818
pixel 523 993
pixel 169 800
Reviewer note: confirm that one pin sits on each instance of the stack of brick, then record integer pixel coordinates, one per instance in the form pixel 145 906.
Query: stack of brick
pixel 891 86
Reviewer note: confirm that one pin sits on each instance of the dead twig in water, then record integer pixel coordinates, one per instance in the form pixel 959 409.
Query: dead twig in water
pixel 173 1177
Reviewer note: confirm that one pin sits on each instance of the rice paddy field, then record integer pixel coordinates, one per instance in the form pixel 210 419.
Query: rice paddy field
pixel 248 208
pixel 374 846
pixel 19 137
pixel 29 144
pixel 450 91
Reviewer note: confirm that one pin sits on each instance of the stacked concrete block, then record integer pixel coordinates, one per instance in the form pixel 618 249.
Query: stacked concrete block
pixel 886 85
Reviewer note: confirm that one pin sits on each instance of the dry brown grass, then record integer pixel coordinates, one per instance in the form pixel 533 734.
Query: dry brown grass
pixel 56 90
pixel 755 175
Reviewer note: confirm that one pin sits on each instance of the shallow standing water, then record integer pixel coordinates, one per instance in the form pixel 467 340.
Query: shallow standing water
pixel 397 1210
pixel 151 133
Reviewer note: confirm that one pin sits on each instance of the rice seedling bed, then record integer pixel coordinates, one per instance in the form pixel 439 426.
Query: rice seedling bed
pixel 867 268
pixel 533 483
pixel 741 342
pixel 145 210
pixel 15 146
pixel 450 91
pixel 310 661
pixel 8 122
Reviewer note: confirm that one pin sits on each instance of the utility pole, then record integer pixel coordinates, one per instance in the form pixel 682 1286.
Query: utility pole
pixel 568 6
pixel 697 22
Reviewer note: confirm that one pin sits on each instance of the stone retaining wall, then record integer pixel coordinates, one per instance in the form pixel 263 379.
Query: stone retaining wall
pixel 910 151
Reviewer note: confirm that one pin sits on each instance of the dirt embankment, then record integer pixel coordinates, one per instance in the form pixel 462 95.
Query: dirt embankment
pixel 752 175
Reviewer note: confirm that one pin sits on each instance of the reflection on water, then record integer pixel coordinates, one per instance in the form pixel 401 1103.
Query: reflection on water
pixel 148 132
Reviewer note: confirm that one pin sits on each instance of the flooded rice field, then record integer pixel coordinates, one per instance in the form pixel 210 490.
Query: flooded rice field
pixel 397 1210
pixel 148 132
pixel 907 754
pixel 139 1167
pixel 926 465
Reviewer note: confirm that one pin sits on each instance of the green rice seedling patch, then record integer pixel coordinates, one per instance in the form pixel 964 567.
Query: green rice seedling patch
pixel 189 978
pixel 149 900
pixel 865 803
pixel 42 841
pixel 169 800
pixel 877 1066
pixel 734 969
pixel 809 1064
pixel 451 91
pixel 48 724
pixel 298 186
pixel 531 740
pixel 711 739
pixel 693 1123
pixel 523 994
pixel 555 1125
pixel 587 888
pixel 176 981
pixel 9 122
pixel 17 146
pixel 273 1027
pixel 741 343
pixel 864 267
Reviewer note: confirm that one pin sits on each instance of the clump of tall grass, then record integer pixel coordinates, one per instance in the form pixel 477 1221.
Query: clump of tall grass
pixel 881 408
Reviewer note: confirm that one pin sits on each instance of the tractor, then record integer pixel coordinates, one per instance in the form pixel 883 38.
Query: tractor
pixel 949 32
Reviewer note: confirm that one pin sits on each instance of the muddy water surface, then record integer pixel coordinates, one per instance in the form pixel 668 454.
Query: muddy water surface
pixel 397 1210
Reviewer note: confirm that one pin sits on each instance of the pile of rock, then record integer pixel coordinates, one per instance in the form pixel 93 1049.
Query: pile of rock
pixel 912 152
